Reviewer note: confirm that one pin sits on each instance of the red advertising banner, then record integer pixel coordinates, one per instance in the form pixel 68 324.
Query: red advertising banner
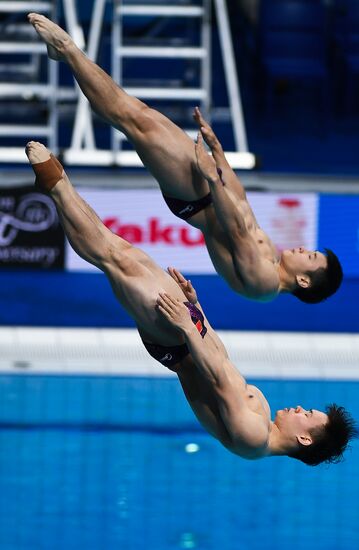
pixel 143 218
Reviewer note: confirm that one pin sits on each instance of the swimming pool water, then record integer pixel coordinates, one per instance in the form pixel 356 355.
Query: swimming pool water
pixel 101 463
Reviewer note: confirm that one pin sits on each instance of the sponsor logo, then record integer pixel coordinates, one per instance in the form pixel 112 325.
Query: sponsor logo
pixel 45 256
pixel 33 214
pixel 166 357
pixel 188 208
pixel 30 233
pixel 154 231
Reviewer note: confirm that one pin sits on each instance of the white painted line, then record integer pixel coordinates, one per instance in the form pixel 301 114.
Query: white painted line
pixel 114 352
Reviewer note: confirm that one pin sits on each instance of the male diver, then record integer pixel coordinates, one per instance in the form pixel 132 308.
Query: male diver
pixel 176 332
pixel 202 190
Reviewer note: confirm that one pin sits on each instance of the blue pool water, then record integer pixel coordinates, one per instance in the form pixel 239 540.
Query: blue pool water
pixel 101 463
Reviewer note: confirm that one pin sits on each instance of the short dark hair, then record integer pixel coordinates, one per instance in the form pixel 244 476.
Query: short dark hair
pixel 329 441
pixel 324 281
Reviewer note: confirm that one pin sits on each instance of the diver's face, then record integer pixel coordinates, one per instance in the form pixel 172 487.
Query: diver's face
pixel 299 260
pixel 297 421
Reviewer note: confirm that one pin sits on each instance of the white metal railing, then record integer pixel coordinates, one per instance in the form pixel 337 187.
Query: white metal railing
pixel 44 93
pixel 83 149
pixel 23 7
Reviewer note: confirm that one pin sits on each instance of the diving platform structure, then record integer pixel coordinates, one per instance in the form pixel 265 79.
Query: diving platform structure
pixel 142 39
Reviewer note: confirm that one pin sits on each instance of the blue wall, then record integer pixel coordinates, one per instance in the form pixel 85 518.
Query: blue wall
pixel 39 298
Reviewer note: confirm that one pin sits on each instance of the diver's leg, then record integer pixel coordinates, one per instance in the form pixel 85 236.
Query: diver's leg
pixel 163 147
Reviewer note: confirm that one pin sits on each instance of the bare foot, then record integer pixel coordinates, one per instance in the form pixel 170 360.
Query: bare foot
pixel 36 152
pixel 48 170
pixel 56 39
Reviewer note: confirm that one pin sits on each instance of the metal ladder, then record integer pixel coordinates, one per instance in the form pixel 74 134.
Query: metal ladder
pixel 45 93
pixel 22 85
pixel 161 12
pixel 191 50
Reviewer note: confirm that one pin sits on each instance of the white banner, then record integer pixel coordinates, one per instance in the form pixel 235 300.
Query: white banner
pixel 142 217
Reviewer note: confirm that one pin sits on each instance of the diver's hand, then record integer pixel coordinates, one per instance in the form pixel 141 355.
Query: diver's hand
pixel 184 283
pixel 174 311
pixel 205 162
pixel 208 134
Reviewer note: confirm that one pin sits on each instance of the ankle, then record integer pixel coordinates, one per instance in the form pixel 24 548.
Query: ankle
pixel 59 187
pixel 70 51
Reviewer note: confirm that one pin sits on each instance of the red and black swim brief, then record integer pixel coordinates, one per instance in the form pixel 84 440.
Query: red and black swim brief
pixel 169 356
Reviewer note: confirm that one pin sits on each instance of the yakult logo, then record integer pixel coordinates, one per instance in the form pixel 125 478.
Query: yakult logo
pixel 34 213
pixel 153 231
